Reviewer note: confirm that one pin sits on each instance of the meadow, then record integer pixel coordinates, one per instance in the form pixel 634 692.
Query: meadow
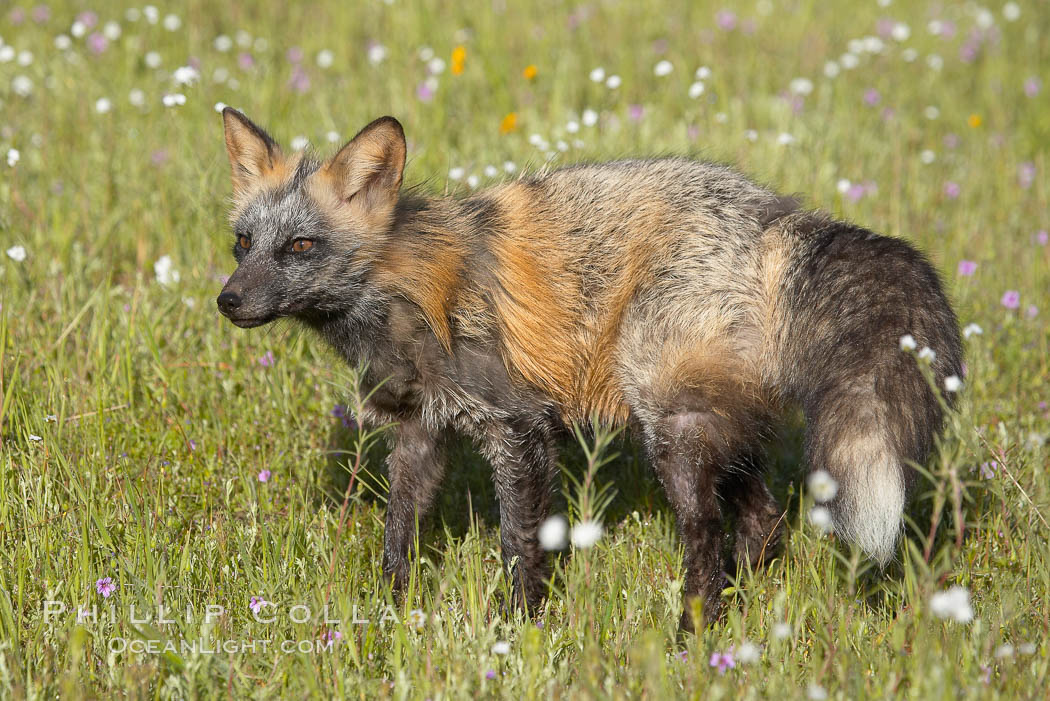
pixel 174 490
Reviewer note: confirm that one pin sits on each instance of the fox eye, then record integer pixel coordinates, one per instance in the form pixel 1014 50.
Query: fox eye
pixel 244 242
pixel 302 245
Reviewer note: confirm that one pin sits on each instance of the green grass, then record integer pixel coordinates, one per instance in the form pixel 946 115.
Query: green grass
pixel 164 416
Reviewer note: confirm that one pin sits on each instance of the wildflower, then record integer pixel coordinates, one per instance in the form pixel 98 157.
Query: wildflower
pixel 820 516
pixel 164 271
pixel 223 43
pixel 63 42
pixel 782 630
pixel 152 59
pixel 967 268
pixel 972 330
pixel 974 120
pixel 245 61
pixel 105 587
pixel 901 31
pixel 909 55
pixel 953 603
pixel 256 604
pixel 849 61
pixel 332 136
pixel 50 419
pixel 1042 236
pixel 136 97
pixel 1011 299
pixel 952 383
pixel 908 342
pixel 491 674
pixel 530 72
pixel 22 86
pixel 16 253
pixel 417 619
pixel 509 123
pixel 103 105
pixel 267 359
pixel 456 173
pixel 264 475
pixel 871 97
pixel 173 99
pixel 376 54
pixel 663 68
pixel 219 107
pixel 1032 86
pixel 801 86
pixel 597 75
pixel 748 652
pixel 1026 174
pixel 815 692
pixel 572 126
pixel 331 636
pixel 325 58
pixel 151 14
pixel 426 89
pixel 459 58
pixel 13 157
pixel 723 660
pixel 1027 648
pixel 988 469
pixel 931 112
pixel 951 189
pixel 299 143
pixel 186 75
pixel 35 438
pixel 172 23
pixel 927 354
pixel 1011 11
pixel 553 533
pixel 472 181
pixel 635 112
pixel 822 486
pixel 702 73
pixel 1004 651
pixel 613 82
pixel 589 118
pixel 501 647
pixel 726 20
pixel 785 139
pixel 831 69
pixel 97 43
pixel 927 156
pixel 436 66
pixel 586 533
pixel 491 171
pixel 510 167
pixel 696 90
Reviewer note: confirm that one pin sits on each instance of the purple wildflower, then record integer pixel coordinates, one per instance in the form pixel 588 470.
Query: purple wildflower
pixel 159 157
pixel 872 97
pixel 1031 311
pixel 97 43
pixel 17 16
pixel 491 674
pixel 300 81
pixel 635 112
pixel 264 475
pixel 245 61
pixel 331 636
pixel 723 660
pixel 951 140
pixel 41 14
pixel 1041 237
pixel 295 54
pixel 105 587
pixel 88 18
pixel 856 192
pixel 988 469
pixel 1011 299
pixel 1026 174
pixel 952 189
pixel 726 19
pixel 425 91
pixel 256 604
pixel 967 267
pixel 267 360
pixel 1032 86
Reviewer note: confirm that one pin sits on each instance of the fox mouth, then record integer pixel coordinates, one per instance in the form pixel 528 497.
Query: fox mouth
pixel 249 322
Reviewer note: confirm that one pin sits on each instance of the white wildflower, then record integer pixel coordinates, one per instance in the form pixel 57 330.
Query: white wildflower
pixel 456 173
pixel 17 253
pixel 174 99
pixel 220 106
pixel 927 354
pixel 491 171
pixel 25 58
pixel 553 533
pixel 952 383
pixel 472 181
pixel 1011 11
pixel 822 486
pixel 152 59
pixel 35 438
pixel 663 68
pixel 589 118
pixel 103 105
pixel 332 136
pixel 747 652
pixel 953 603
pixel 820 516
pixel 136 97
pixel 985 19
pixel 972 330
pixel 702 73
pixel 572 127
pixel 78 29
pixel 849 61
pixel 164 271
pixel 63 42
pixel 298 143
pixel 111 30
pixel 436 65
pixel 1027 648
pixel 751 135
pixel 843 186
pixel 22 85
pixel 132 14
pixel 696 90
pixel 815 692
pixel 151 13
pixel 909 55
pixel 931 112
pixel 831 69
pixel 186 75
pixel 376 54
pixel 417 619
pixel 908 342
pixel 785 139
pixel 900 31
pixel 801 86
pixel 586 533
pixel 510 167
pixel 935 62
pixel 172 23
pixel 223 43
pixel 598 75
pixel 325 58
pixel 613 82
pixel 1004 651
pixel 782 630
pixel 501 648
pixel 12 157
pixel 927 156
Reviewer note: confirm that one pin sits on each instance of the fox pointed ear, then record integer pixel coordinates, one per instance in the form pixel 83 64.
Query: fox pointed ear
pixel 251 150
pixel 369 168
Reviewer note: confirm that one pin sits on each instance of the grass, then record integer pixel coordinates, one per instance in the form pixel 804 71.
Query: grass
pixel 163 415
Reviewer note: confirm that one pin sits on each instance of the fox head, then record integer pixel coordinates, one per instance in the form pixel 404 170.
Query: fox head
pixel 305 231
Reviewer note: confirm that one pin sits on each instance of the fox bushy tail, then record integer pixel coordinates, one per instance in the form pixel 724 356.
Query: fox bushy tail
pixel 850 296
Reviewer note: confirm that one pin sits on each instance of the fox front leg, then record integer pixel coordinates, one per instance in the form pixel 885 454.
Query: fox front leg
pixel 522 459
pixel 415 465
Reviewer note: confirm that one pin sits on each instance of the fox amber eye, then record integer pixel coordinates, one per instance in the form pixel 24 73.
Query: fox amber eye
pixel 244 242
pixel 301 245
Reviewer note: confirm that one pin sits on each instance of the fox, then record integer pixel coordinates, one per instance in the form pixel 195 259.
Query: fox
pixel 672 297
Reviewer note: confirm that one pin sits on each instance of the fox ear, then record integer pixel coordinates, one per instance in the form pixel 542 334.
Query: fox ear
pixel 369 168
pixel 251 150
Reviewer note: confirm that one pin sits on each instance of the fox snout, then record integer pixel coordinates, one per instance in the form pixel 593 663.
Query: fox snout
pixel 244 307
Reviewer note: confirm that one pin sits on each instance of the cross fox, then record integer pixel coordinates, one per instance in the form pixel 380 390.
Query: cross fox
pixel 672 296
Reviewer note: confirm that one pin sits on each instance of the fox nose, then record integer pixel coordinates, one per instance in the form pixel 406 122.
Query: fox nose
pixel 228 301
